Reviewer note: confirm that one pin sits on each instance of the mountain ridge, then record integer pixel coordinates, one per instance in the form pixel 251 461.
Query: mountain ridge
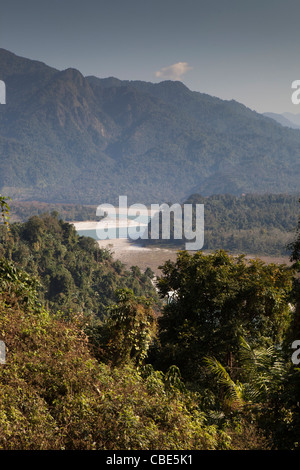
pixel 283 119
pixel 69 138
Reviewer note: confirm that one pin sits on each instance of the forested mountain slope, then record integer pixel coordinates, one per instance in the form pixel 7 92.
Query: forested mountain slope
pixel 73 273
pixel 69 138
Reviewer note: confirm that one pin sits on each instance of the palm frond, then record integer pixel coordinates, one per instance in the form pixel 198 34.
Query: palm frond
pixel 264 370
pixel 233 391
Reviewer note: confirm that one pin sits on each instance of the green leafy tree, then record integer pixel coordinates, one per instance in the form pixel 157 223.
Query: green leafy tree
pixel 295 246
pixel 295 258
pixel 74 273
pixel 288 434
pixel 254 396
pixel 55 395
pixel 215 299
pixel 129 329
pixel 17 285
pixel 4 209
pixel 262 372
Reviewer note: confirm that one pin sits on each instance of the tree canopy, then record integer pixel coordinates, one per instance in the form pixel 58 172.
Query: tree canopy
pixel 94 362
pixel 74 273
pixel 216 298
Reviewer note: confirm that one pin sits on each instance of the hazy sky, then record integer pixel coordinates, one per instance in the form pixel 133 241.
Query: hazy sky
pixel 233 49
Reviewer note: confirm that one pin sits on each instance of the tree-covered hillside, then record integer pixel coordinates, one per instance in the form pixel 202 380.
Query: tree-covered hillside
pixel 251 224
pixel 69 138
pixel 73 272
pixel 215 368
pixel 55 395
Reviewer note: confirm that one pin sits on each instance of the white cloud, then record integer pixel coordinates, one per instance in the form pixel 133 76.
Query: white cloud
pixel 173 72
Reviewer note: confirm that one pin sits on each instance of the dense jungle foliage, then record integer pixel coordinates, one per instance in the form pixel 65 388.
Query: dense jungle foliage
pixel 251 224
pixel 212 369
pixel 73 272
pixel 261 224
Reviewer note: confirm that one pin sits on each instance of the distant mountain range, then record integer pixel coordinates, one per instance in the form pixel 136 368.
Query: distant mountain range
pixel 69 138
pixel 286 119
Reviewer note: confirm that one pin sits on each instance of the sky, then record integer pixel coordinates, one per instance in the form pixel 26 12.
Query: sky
pixel 248 51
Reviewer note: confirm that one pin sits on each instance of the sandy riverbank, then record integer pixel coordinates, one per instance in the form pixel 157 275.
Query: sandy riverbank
pixel 131 254
pixel 126 250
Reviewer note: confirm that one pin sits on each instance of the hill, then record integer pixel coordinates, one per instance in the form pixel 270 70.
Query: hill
pixel 55 394
pixel 69 138
pixel 73 273
pixel 252 224
pixel 283 119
